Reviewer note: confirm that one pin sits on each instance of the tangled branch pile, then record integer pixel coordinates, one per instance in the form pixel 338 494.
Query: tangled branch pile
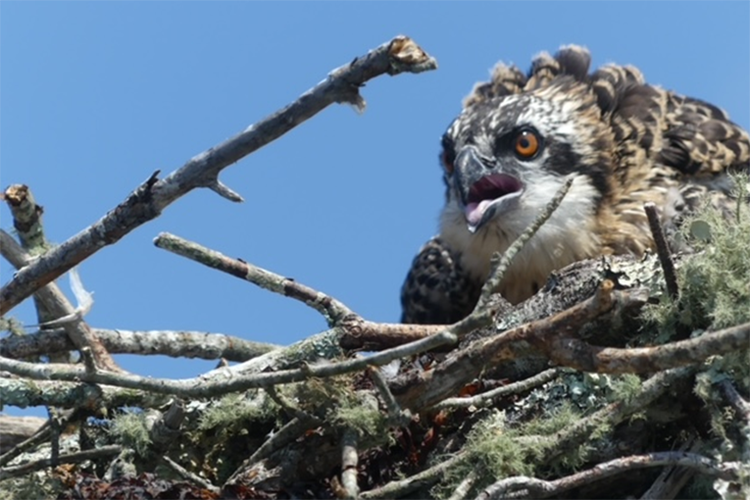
pixel 610 368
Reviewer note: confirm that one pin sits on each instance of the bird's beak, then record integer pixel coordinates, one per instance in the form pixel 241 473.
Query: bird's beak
pixel 485 191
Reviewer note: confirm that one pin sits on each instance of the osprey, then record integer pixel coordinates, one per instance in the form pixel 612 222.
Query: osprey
pixel 517 140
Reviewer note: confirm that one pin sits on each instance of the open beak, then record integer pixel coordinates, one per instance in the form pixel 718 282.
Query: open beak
pixel 485 192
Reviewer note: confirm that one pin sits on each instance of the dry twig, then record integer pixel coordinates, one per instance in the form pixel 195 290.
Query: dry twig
pixel 189 476
pixel 537 488
pixel 68 458
pixel 491 397
pixel 349 461
pixel 662 249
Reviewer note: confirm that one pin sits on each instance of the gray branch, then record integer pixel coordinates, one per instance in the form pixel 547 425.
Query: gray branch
pixel 177 344
pixel 148 200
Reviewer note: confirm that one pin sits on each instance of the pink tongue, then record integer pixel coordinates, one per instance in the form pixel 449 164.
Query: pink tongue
pixel 474 211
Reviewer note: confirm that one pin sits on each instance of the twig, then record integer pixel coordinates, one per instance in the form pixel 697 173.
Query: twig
pixel 333 310
pixel 662 249
pixel 463 487
pixel 489 397
pixel 27 221
pixel 225 192
pixel 447 378
pixel 147 202
pixel 391 405
pixel 358 333
pixel 349 461
pixel 201 387
pixel 88 360
pixel 55 431
pixel 734 398
pixel 288 433
pixel 27 217
pixel 500 265
pixel 57 305
pixel 672 479
pixel 185 344
pixel 189 476
pixel 70 458
pixel 427 477
pixel 366 335
pixel 537 488
pixel 287 405
pixel 39 436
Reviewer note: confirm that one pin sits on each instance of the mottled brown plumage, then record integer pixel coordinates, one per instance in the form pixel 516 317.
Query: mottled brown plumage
pixel 520 136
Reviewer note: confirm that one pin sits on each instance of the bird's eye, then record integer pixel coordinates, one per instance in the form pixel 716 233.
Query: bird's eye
pixel 447 161
pixel 526 144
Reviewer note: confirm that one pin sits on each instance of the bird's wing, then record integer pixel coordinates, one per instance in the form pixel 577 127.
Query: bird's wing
pixel 700 138
pixel 437 290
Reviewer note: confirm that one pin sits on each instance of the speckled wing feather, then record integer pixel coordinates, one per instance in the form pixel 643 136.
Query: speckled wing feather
pixel 436 290
pixel 664 147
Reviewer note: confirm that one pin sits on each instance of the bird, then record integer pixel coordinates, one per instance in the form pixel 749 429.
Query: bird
pixel 517 140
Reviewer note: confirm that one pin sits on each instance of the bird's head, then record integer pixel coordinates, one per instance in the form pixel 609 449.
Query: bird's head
pixel 505 157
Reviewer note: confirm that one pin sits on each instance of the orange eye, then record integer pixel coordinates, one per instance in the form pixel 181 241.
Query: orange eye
pixel 446 162
pixel 526 144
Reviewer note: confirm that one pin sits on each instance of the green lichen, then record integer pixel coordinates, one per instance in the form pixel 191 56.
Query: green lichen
pixel 235 410
pixel 496 450
pixel 625 387
pixel 12 326
pixel 335 400
pixel 130 430
pixel 714 283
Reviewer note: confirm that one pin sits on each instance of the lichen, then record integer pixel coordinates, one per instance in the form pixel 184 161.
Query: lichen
pixel 130 429
pixel 714 282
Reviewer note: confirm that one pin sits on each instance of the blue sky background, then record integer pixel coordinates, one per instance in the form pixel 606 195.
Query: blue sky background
pixel 94 97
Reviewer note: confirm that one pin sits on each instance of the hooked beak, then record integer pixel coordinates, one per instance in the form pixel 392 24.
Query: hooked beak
pixel 484 193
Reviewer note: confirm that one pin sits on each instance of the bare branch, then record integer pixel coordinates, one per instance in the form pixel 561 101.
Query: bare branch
pixel 394 410
pixel 27 217
pixel 537 488
pixel 27 393
pixel 464 486
pixel 500 264
pixel 427 388
pixel 147 202
pixel 427 477
pixel 57 305
pixel 164 427
pixel 662 249
pixel 349 459
pixel 333 310
pixel 734 398
pixel 178 344
pixel 491 397
pixel 189 476
pixel 225 192
pixel 577 354
pixel 41 434
pixel 69 458
pixel 205 386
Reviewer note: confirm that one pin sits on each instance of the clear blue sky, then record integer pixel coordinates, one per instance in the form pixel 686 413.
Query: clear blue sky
pixel 96 96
